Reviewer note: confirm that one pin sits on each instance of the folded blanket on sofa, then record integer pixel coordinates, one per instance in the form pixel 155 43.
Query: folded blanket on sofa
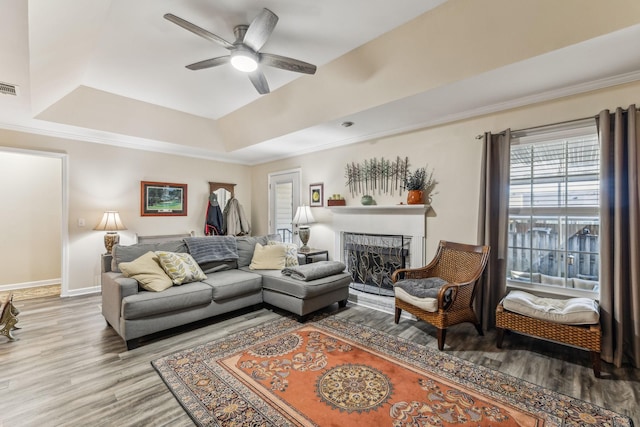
pixel 212 248
pixel 316 270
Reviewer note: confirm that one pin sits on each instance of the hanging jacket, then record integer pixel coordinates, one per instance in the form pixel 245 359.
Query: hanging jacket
pixel 234 221
pixel 213 221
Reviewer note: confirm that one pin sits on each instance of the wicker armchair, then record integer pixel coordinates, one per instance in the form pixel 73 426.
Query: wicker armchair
pixel 461 266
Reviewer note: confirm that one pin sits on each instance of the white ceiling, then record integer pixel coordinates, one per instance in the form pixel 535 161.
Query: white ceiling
pixel 126 48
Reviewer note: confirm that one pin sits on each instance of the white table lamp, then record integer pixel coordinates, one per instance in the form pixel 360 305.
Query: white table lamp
pixel 303 218
pixel 110 223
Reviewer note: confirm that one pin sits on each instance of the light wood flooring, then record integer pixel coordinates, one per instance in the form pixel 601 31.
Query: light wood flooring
pixel 69 368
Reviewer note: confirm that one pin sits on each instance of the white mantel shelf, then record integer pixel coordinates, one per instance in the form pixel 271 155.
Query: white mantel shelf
pixel 381 209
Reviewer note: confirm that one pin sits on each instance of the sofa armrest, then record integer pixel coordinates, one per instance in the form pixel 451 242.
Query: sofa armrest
pixel 105 263
pixel 115 287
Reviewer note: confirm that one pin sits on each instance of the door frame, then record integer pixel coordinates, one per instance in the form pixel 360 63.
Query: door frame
pixel 64 215
pixel 271 176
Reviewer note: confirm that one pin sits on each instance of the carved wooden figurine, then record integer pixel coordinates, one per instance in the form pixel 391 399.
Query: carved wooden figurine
pixel 9 318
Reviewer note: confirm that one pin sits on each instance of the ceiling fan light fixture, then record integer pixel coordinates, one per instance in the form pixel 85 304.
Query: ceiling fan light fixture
pixel 244 60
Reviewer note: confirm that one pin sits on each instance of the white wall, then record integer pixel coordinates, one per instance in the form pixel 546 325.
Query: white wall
pixel 30 217
pixel 451 150
pixel 103 178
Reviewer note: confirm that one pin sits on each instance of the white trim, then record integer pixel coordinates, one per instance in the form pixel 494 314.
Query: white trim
pixel 270 178
pixel 545 134
pixel 551 290
pixel 137 143
pixel 381 209
pixel 84 291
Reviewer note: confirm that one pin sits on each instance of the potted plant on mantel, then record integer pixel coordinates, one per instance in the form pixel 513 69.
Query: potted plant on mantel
pixel 418 184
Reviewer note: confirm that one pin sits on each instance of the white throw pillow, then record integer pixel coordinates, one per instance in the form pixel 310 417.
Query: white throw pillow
pixel 291 253
pixel 148 272
pixel 270 257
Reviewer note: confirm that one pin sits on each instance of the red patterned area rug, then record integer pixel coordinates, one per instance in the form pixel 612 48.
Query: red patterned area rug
pixel 332 372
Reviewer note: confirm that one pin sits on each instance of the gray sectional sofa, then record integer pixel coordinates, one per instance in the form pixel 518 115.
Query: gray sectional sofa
pixel 229 285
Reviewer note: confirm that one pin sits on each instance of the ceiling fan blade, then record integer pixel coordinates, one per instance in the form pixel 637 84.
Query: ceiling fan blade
pixel 260 29
pixel 259 82
pixel 197 30
pixel 288 64
pixel 208 63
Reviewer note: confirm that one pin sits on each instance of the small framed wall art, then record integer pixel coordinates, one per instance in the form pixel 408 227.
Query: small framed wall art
pixel 316 195
pixel 163 199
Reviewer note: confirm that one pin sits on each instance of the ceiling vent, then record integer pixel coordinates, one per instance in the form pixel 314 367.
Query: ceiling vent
pixel 8 89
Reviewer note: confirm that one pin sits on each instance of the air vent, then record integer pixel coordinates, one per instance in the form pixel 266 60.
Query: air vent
pixel 8 89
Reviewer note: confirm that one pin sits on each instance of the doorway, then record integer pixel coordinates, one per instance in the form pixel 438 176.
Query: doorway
pixel 39 217
pixel 284 198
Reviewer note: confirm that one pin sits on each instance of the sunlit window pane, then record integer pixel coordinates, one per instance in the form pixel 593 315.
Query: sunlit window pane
pixel 550 182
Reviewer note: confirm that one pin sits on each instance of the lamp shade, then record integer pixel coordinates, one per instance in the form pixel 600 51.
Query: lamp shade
pixel 303 216
pixel 110 222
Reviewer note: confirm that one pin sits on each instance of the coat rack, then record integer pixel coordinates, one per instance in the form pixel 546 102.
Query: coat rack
pixel 213 186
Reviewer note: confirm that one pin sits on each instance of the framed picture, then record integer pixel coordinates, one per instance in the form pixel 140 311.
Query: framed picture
pixel 163 199
pixel 316 195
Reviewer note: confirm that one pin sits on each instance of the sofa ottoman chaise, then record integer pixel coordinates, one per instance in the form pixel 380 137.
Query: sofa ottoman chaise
pixel 230 284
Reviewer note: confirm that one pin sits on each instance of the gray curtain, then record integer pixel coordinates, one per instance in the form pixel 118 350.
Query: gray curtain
pixel 493 222
pixel 620 235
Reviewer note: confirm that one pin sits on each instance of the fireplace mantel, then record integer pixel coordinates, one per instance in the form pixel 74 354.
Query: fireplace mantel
pixel 381 209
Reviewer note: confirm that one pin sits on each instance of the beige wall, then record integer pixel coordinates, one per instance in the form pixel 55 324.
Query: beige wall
pixel 451 150
pixel 31 194
pixel 103 178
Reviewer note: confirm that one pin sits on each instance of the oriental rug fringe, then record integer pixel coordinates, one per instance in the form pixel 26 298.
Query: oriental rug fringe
pixel 331 372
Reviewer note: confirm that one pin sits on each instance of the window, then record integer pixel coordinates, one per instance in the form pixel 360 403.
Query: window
pixel 554 214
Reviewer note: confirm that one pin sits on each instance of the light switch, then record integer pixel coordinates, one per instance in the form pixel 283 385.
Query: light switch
pixel 80 222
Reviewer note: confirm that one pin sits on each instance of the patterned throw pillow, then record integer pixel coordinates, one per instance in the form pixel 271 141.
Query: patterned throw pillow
pixel 180 267
pixel 290 254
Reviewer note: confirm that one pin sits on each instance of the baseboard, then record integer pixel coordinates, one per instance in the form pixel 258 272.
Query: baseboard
pixel 82 291
pixel 27 285
pixel 381 303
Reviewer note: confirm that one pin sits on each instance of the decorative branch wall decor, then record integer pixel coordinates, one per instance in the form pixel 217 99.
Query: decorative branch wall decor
pixel 376 176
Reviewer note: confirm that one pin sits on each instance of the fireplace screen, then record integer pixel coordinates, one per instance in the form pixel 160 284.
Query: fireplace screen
pixel 372 258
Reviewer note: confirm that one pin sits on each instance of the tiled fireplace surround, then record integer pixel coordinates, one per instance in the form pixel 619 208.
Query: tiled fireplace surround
pixel 404 220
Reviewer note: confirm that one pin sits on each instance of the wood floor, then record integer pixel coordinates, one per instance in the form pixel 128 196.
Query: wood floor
pixel 68 368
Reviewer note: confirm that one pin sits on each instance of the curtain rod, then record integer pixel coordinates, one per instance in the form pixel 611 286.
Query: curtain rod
pixel 551 124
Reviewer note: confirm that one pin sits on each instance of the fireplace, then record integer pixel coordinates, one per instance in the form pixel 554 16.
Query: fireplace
pixel 372 258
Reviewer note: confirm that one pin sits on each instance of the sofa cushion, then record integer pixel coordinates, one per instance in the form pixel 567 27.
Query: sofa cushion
pixel 572 311
pixel 147 271
pixel 128 253
pixel 181 268
pixel 274 280
pixel 213 266
pixel 176 298
pixel 246 245
pixel 233 283
pixel 268 257
pixel 291 253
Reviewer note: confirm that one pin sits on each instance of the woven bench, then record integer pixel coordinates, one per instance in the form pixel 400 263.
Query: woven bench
pixel 585 336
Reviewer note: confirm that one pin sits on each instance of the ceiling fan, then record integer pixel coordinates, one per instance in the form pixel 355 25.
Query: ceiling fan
pixel 245 52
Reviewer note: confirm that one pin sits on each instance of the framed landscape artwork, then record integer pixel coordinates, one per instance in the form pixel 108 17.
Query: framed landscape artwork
pixel 316 195
pixel 163 199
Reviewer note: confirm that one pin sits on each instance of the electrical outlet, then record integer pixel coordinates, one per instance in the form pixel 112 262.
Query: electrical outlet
pixel 80 222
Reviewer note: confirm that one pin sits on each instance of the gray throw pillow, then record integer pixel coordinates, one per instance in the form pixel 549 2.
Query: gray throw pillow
pixel 422 288
pixel 128 253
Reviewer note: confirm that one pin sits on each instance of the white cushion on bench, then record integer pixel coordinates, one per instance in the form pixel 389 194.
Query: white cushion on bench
pixel 427 304
pixel 572 311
